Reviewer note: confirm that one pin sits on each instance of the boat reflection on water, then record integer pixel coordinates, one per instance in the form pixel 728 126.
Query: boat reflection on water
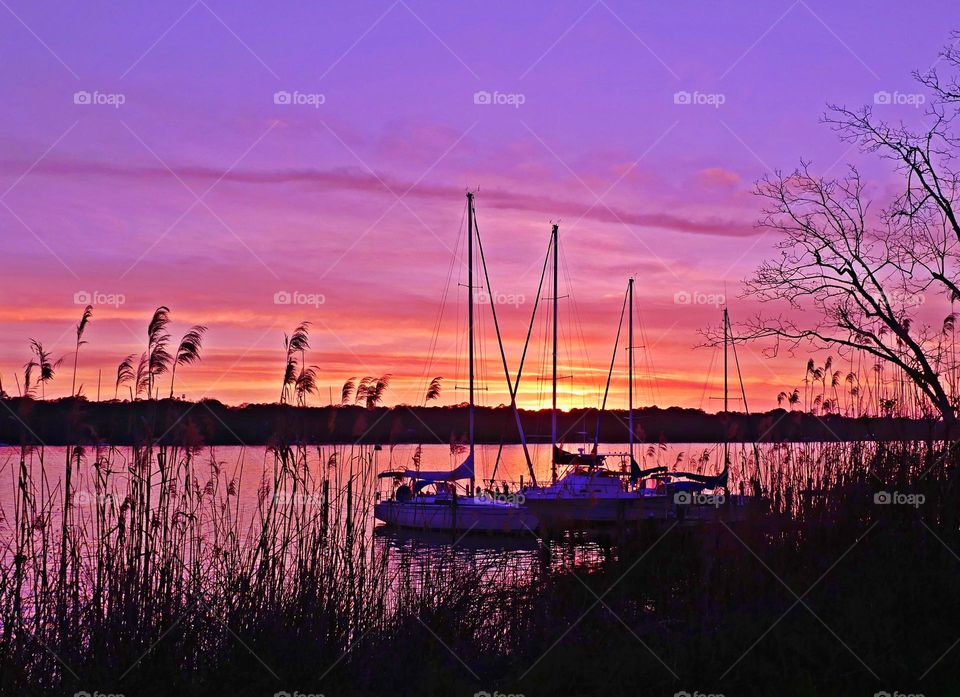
pixel 512 558
pixel 403 540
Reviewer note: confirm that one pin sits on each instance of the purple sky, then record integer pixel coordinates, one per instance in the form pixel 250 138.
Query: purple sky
pixel 202 193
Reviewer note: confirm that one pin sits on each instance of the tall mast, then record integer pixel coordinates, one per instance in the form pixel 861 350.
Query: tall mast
pixel 553 417
pixel 470 308
pixel 630 369
pixel 726 390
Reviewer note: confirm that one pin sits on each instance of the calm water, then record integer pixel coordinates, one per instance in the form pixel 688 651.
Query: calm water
pixel 247 472
pixel 247 466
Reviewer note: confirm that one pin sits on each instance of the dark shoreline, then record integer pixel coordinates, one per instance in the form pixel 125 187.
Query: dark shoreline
pixel 209 422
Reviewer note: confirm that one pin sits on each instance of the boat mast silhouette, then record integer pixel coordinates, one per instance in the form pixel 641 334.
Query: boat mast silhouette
pixel 553 413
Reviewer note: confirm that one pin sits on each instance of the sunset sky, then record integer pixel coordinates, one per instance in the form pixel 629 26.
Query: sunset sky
pixel 207 156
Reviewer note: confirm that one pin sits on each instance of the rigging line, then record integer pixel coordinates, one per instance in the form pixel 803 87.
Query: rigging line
pixel 655 391
pixel 578 324
pixel 566 354
pixel 544 348
pixel 496 464
pixel 542 335
pixel 575 371
pixel 503 357
pixel 591 377
pixel 542 367
pixel 431 351
pixel 706 381
pixel 460 338
pixel 533 315
pixel 446 291
pixel 653 386
pixel 613 359
pixel 570 338
pixel 743 393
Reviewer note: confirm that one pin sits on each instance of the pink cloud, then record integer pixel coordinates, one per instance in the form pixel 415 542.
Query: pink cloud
pixel 357 180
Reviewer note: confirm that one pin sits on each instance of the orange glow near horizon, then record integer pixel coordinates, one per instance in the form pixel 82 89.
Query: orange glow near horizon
pixel 249 215
pixel 239 372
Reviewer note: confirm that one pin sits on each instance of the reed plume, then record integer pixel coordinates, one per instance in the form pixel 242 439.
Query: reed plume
pixel 433 391
pixel 306 384
pixel 158 356
pixel 362 387
pixel 44 363
pixel 141 382
pixel 188 351
pixel 347 390
pixel 298 342
pixel 371 389
pixel 81 326
pixel 28 387
pixel 125 373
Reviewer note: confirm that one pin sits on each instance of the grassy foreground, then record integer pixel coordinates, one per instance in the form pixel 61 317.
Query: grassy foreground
pixel 154 584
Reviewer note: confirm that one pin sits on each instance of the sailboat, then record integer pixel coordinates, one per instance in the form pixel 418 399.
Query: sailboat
pixel 591 494
pixel 448 500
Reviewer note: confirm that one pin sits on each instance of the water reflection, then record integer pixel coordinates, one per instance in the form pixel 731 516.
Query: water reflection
pixel 421 555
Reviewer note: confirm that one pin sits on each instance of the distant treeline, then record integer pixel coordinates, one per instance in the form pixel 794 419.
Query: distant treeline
pixel 209 422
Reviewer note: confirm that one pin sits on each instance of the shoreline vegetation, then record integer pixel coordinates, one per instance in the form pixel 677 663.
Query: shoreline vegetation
pixel 157 583
pixel 76 421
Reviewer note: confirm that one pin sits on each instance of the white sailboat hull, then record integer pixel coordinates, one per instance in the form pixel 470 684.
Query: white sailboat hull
pixel 465 515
